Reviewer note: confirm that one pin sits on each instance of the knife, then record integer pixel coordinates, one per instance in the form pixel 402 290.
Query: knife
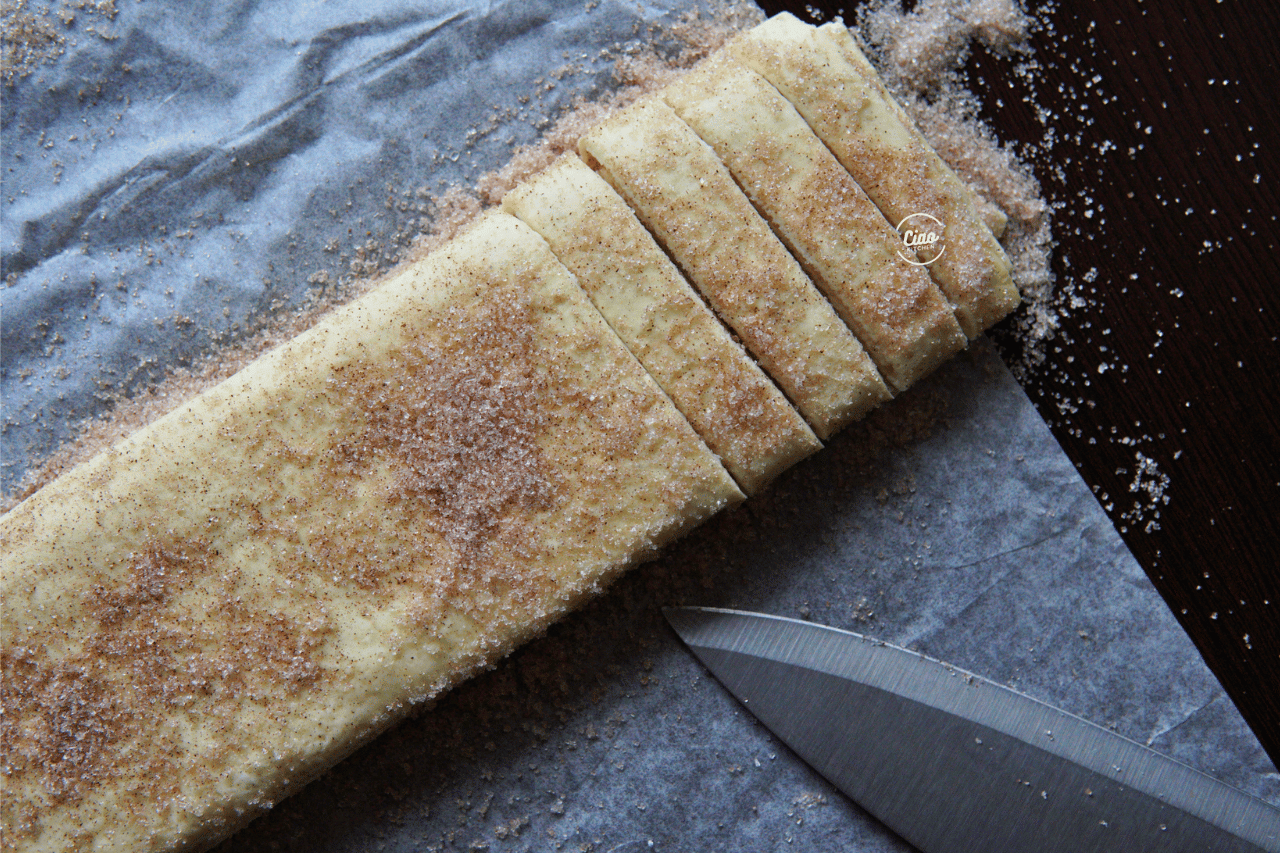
pixel 955 763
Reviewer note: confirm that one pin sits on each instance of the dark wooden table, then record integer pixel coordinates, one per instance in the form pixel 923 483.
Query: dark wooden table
pixel 1184 307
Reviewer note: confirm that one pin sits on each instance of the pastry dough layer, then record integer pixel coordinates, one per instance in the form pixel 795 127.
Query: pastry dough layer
pixel 205 617
pixel 686 197
pixel 741 415
pixel 200 620
pixel 823 216
pixel 849 109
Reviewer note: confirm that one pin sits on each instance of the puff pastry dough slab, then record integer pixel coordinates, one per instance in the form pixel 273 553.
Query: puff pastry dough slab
pixel 843 241
pixel 232 599
pixel 737 410
pixel 205 617
pixel 688 199
pixel 852 114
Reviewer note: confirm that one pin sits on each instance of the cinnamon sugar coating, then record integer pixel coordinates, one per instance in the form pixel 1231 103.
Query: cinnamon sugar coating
pixel 202 619
pixel 741 415
pixel 843 241
pixel 852 114
pixel 686 197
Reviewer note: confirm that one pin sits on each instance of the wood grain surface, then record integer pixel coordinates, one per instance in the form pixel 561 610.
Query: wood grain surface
pixel 1163 172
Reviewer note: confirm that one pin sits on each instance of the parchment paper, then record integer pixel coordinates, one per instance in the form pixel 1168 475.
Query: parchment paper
pixel 168 181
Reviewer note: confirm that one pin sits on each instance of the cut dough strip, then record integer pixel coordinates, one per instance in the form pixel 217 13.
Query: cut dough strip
pixel 686 197
pixel 823 216
pixel 993 217
pixel 887 156
pixel 736 409
pixel 273 573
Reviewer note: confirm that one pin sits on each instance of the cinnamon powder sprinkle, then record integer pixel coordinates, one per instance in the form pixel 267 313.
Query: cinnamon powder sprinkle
pixel 460 421
pixel 178 636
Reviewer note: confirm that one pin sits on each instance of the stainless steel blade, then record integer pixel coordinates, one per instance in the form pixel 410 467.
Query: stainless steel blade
pixel 955 763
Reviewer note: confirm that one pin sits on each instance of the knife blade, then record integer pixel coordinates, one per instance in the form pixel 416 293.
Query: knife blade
pixel 955 763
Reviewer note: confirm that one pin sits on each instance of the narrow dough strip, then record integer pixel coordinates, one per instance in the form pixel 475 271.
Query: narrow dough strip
pixel 992 217
pixel 888 157
pixel 738 411
pixel 205 617
pixel 849 249
pixel 686 197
